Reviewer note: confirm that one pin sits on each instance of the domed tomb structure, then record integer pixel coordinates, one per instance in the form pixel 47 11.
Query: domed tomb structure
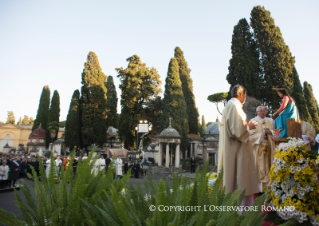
pixel 211 139
pixel 171 138
pixel 36 141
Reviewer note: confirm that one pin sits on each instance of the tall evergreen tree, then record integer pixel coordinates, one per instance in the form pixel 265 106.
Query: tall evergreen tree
pixel 25 120
pixel 72 124
pixel 111 103
pixel 93 102
pixel 43 112
pixel 203 122
pixel 140 86
pixel 54 111
pixel 19 122
pixel 312 105
pixel 276 59
pixel 244 68
pixel 11 118
pixel 299 97
pixel 174 104
pixel 187 86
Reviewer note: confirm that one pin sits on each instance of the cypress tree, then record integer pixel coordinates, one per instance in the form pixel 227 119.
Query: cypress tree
pixel 11 118
pixel 174 104
pixel 72 124
pixel 312 105
pixel 140 86
pixel 54 112
pixel 25 120
pixel 43 112
pixel 244 66
pixel 111 103
pixel 19 122
pixel 276 59
pixel 299 97
pixel 187 86
pixel 93 102
pixel 203 123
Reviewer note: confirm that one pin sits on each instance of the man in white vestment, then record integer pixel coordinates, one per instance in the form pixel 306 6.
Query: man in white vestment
pixel 101 163
pixel 235 155
pixel 118 166
pixel 263 145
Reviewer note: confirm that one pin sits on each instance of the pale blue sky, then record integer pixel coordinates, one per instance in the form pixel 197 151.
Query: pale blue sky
pixel 47 42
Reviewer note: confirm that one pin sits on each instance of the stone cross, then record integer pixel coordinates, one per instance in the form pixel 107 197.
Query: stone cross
pixel 170 121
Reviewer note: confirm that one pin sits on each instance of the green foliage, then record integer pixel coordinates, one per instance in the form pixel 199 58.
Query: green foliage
pixel 72 124
pixel 111 103
pixel 54 115
pixel 62 202
pixel 62 124
pixel 140 87
pixel 43 112
pixel 217 98
pixel 275 57
pixel 174 104
pixel 187 87
pixel 244 66
pixel 85 199
pixel 311 104
pixel 299 97
pixel 11 118
pixel 132 207
pixel 93 102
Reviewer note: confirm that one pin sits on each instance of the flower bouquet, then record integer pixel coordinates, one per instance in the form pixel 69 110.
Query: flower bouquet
pixel 293 183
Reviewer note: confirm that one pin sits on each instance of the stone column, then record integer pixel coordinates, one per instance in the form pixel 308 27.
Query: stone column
pixel 195 149
pixel 167 156
pixel 160 154
pixel 177 156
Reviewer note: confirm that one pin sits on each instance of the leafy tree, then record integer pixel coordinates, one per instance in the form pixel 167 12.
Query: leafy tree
pixel 25 120
pixel 217 98
pixel 174 105
pixel 43 111
pixel 72 124
pixel 244 68
pixel 154 111
pixel 11 118
pixel 62 124
pixel 111 103
pixel 93 102
pixel 311 104
pixel 299 97
pixel 187 86
pixel 276 59
pixel 19 122
pixel 31 121
pixel 54 112
pixel 140 86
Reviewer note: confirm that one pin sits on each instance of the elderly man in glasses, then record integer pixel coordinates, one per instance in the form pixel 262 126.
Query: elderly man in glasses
pixel 263 145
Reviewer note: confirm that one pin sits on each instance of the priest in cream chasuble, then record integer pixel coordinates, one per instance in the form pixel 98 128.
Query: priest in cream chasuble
pixel 235 155
pixel 263 145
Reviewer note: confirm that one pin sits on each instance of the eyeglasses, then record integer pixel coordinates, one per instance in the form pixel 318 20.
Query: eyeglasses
pixel 262 111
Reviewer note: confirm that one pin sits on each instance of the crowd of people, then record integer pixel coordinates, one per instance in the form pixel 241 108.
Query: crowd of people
pixel 14 166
